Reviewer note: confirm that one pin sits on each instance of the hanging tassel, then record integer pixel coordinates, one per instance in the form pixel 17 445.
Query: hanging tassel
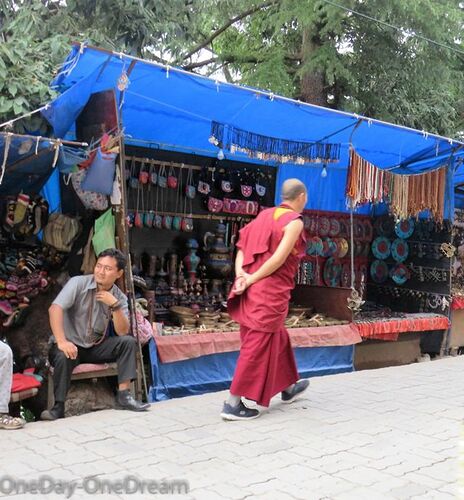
pixel 272 148
pixel 57 147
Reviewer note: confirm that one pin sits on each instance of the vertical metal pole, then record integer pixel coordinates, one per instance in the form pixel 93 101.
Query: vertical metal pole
pixel 352 247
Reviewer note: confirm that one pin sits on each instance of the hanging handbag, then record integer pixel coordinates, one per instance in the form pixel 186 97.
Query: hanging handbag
pixel 153 175
pixel 61 231
pixel 70 157
pixel 143 174
pixel 90 199
pixel 190 190
pixel 187 224
pixel 104 232
pixel 162 179
pixel 172 179
pixel 100 174
pixel 90 259
pixel 167 221
pixel 177 223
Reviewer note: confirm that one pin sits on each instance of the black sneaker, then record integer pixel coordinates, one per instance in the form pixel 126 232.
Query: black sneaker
pixel 239 412
pixel 298 388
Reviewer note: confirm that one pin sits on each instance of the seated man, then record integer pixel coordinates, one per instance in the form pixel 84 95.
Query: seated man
pixel 6 376
pixel 79 319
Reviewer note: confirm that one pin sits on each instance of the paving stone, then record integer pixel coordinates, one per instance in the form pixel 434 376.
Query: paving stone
pixel 408 490
pixel 362 494
pixel 349 439
pixel 364 476
pixel 428 481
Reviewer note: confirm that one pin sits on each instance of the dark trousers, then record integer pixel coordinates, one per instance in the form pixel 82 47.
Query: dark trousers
pixel 122 350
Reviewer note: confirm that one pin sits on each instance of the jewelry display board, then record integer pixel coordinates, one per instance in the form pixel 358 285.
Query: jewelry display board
pixel 328 251
pixel 410 265
pixel 184 214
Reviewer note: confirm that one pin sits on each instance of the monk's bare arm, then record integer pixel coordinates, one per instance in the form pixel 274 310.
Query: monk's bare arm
pixel 239 263
pixel 292 232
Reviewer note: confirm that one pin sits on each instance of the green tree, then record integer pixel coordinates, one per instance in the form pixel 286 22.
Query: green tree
pixel 313 50
pixel 319 52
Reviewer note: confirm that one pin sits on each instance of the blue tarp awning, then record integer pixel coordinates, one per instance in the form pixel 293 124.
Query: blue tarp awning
pixel 28 164
pixel 172 109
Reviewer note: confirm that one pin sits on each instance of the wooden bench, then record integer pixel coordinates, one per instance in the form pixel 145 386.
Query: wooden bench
pixel 83 371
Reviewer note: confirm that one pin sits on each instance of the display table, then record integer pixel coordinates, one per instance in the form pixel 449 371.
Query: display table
pixel 457 303
pixel 390 328
pixel 197 363
pixel 406 334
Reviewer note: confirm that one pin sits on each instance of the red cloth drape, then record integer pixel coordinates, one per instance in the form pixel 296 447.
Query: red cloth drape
pixel 457 303
pixel 173 348
pixel 390 328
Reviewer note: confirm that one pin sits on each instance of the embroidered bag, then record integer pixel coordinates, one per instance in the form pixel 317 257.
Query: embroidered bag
pixel 90 199
pixel 214 204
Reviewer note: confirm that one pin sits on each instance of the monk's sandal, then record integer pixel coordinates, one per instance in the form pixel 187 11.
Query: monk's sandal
pixel 239 412
pixel 298 389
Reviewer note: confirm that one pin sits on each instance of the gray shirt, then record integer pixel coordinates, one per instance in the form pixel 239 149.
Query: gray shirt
pixel 84 317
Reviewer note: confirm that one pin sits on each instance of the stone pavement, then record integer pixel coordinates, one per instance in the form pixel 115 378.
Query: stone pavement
pixel 380 434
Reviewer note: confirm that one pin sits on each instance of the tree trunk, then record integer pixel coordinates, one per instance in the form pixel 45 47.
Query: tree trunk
pixel 312 82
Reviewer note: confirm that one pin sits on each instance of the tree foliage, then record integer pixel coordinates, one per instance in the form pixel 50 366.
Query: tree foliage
pixel 312 50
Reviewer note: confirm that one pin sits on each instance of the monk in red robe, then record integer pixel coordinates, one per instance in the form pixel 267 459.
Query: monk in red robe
pixel 269 251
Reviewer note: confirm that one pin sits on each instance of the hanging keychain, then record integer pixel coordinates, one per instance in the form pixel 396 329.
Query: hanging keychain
pixel 138 219
pixel 187 222
pixel 153 174
pixel 190 186
pixel 157 220
pixel 149 215
pixel 133 181
pixel 177 219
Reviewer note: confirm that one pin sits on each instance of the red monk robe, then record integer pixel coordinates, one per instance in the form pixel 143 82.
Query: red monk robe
pixel 266 364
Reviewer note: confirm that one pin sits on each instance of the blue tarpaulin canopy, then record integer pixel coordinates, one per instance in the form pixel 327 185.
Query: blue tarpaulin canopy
pixel 168 108
pixel 27 163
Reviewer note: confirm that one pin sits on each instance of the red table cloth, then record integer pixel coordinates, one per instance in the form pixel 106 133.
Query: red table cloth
pixel 390 328
pixel 457 303
pixel 180 347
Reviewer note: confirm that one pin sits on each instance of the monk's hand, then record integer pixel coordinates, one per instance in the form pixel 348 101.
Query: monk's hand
pixel 68 349
pixel 239 285
pixel 106 297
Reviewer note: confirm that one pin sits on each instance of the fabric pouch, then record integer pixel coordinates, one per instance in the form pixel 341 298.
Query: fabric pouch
pixel 90 199
pixel 104 231
pixel 100 174
pixel 214 204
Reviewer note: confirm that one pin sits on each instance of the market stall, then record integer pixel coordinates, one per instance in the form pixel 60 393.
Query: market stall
pixel 202 157
pixel 456 337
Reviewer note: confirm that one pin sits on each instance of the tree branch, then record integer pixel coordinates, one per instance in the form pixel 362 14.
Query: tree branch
pixel 223 60
pixel 232 59
pixel 229 23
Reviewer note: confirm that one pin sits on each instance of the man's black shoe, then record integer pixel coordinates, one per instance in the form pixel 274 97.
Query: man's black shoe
pixel 54 414
pixel 125 401
pixel 239 412
pixel 298 389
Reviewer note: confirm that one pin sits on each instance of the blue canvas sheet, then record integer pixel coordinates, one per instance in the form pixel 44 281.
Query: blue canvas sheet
pixel 214 372
pixel 171 109
pixel 26 169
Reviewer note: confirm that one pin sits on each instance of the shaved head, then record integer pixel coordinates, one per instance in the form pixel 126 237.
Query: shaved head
pixel 291 189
